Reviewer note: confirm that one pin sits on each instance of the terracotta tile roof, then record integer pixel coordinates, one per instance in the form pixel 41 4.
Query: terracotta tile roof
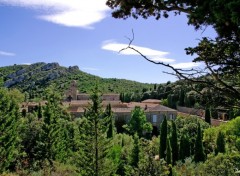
pixel 162 109
pixel 152 101
pixel 122 110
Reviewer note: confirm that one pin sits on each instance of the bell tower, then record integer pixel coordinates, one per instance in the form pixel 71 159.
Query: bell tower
pixel 71 93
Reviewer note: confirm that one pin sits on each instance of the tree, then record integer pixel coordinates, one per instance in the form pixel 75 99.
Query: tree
pixel 53 141
pixel 220 143
pixel 184 150
pixel 135 151
pixel 138 122
pixel 169 156
pixel 220 55
pixel 94 142
pixel 9 131
pixel 207 116
pixel 163 138
pixel 199 152
pixel 174 143
pixel 39 112
pixel 169 152
pixel 110 121
pixel 181 97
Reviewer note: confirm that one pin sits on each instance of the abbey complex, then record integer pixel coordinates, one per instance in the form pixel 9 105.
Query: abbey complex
pixel 77 102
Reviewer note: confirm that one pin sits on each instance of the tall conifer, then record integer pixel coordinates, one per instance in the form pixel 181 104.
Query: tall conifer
pixel 184 150
pixel 9 127
pixel 163 138
pixel 174 143
pixel 220 143
pixel 208 115
pixel 199 152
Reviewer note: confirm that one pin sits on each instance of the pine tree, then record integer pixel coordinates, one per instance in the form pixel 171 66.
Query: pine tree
pixel 207 115
pixel 220 143
pixel 174 143
pixel 9 128
pixel 94 143
pixel 163 138
pixel 53 141
pixel 198 152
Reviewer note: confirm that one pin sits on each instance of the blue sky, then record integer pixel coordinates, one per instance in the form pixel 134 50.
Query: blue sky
pixel 83 33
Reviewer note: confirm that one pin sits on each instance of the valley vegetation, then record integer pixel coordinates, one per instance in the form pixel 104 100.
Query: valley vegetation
pixel 50 142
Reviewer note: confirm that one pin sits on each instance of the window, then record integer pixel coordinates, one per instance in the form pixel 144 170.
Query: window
pixel 171 116
pixel 154 118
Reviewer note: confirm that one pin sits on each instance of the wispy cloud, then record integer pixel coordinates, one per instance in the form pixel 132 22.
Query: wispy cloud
pixel 185 65
pixel 4 53
pixel 26 64
pixel 90 69
pixel 72 13
pixel 155 55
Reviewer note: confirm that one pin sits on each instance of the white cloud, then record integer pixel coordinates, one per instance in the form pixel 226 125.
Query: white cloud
pixel 155 55
pixel 72 13
pixel 185 65
pixel 90 69
pixel 4 53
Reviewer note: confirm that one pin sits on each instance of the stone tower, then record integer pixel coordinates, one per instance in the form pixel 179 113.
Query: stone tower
pixel 71 93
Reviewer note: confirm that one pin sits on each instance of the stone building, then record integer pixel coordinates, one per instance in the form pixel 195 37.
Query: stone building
pixel 154 111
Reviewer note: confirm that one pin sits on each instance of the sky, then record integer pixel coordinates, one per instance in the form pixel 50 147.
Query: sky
pixel 83 33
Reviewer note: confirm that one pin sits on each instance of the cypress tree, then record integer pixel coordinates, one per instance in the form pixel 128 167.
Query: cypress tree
pixel 174 143
pixel 220 143
pixel 181 97
pixel 207 115
pixel 163 138
pixel 198 152
pixel 39 113
pixel 135 151
pixel 108 115
pixel 169 156
pixel 184 150
pixel 169 152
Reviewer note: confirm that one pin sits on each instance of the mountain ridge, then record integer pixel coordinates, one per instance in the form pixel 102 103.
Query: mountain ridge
pixel 36 77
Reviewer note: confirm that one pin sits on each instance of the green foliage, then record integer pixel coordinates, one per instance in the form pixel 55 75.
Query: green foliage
pixel 169 152
pixel 181 97
pixel 220 143
pixel 184 148
pixel 93 134
pixel 138 122
pixel 163 138
pixel 9 131
pixel 108 115
pixel 39 111
pixel 222 164
pixel 187 125
pixel 135 151
pixel 174 143
pixel 207 116
pixel 35 85
pixel 199 155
